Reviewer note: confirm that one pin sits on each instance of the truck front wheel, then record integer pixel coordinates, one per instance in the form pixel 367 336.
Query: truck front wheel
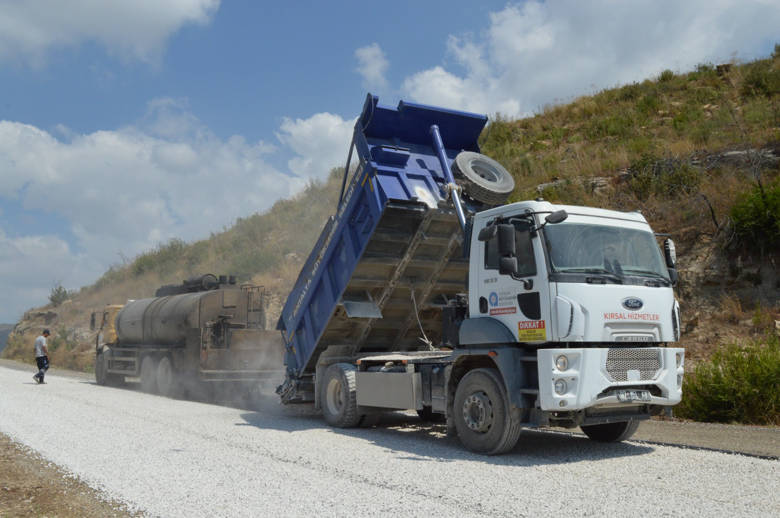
pixel 100 369
pixel 484 421
pixel 338 396
pixel 610 432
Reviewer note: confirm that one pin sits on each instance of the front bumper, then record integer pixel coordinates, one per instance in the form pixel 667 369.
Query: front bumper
pixel 600 378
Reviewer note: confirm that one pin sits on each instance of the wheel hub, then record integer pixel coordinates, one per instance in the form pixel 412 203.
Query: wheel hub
pixel 335 400
pixel 478 412
pixel 484 172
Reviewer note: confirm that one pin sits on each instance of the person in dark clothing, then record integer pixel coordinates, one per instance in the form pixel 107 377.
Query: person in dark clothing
pixel 41 356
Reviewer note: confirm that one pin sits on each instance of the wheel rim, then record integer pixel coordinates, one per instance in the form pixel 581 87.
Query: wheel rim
pixel 485 172
pixel 478 412
pixel 334 397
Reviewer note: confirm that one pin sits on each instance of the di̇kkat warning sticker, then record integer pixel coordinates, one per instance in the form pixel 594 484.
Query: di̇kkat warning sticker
pixel 531 331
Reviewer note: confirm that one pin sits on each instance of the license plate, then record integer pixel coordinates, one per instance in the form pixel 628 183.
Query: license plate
pixel 632 395
pixel 634 338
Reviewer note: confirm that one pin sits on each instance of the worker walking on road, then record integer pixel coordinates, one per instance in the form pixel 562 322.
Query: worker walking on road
pixel 41 356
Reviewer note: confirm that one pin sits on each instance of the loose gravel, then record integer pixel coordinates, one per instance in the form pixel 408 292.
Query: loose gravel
pixel 167 457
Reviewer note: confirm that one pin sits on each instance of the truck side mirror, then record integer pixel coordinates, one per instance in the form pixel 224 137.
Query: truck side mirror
pixel 556 217
pixel 92 321
pixel 507 266
pixel 487 233
pixel 506 240
pixel 673 276
pixel 670 253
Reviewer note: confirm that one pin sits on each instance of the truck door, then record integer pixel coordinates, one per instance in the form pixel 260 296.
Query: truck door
pixel 520 300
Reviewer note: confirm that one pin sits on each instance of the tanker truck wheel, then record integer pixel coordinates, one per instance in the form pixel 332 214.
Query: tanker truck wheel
pixel 149 374
pixel 167 382
pixel 338 396
pixel 102 376
pixel 611 432
pixel 100 369
pixel 482 178
pixel 484 421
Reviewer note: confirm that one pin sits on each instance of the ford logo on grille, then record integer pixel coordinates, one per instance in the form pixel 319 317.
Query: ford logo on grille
pixel 633 303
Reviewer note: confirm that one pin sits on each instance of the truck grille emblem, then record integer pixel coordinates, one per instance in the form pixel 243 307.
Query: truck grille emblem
pixel 633 303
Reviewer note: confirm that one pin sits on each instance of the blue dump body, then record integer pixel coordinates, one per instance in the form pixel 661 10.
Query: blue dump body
pixel 393 244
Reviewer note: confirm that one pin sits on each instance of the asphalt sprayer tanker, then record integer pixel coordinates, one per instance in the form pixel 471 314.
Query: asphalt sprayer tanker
pixel 207 329
pixel 423 292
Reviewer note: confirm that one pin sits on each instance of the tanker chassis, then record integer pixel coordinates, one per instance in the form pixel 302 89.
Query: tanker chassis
pixel 207 329
pixel 419 295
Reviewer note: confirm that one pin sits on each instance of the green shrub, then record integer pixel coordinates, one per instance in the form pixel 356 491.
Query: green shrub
pixel 649 104
pixel 756 217
pixel 739 384
pixel 704 70
pixel 620 125
pixel 162 259
pixel 666 75
pixel 762 78
pixel 666 178
pixel 58 295
pixel 629 92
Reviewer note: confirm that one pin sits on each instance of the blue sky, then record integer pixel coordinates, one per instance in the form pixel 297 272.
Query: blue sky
pixel 124 124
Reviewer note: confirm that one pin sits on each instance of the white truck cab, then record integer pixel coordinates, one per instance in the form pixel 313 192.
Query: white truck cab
pixel 591 290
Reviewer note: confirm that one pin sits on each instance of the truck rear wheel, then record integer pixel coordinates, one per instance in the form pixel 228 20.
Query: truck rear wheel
pixel 483 419
pixel 482 178
pixel 610 432
pixel 339 397
pixel 149 374
pixel 167 384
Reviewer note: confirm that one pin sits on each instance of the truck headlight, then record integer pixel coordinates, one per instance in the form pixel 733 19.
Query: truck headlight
pixel 562 363
pixel 679 359
pixel 560 387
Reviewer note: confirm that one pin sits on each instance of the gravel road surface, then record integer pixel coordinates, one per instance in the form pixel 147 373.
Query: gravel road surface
pixel 167 457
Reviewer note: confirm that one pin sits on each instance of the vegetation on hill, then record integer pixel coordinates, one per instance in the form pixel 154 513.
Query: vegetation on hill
pixel 697 152
pixel 739 384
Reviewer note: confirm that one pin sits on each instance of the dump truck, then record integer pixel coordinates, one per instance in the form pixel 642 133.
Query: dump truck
pixel 207 329
pixel 426 292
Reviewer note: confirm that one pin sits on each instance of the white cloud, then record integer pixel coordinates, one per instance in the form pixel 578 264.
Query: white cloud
pixel 32 266
pixel 124 191
pixel 321 143
pixel 537 53
pixel 135 30
pixel 372 66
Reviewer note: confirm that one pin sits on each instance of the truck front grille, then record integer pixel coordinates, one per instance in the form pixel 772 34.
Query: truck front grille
pixel 646 361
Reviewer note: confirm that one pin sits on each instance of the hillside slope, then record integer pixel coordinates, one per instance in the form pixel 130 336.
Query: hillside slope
pixel 698 153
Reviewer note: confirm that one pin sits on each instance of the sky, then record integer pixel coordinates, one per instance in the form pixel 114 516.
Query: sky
pixel 124 124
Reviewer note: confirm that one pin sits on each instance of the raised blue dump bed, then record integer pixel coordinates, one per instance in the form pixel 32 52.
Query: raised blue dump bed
pixel 394 235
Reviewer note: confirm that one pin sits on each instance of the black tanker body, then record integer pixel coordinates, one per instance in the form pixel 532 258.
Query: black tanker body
pixel 204 330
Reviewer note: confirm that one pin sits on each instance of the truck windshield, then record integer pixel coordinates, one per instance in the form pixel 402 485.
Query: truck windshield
pixel 613 251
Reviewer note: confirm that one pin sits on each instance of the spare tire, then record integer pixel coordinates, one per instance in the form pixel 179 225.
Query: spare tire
pixel 482 178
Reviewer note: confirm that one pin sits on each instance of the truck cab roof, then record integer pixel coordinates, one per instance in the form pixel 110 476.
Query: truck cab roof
pixel 543 207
